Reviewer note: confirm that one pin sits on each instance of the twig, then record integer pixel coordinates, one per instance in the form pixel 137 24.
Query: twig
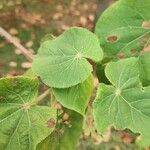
pixel 27 54
pixel 22 49
pixel 41 97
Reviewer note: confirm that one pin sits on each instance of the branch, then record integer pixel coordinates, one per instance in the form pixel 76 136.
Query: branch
pixel 26 53
pixel 22 49
pixel 41 97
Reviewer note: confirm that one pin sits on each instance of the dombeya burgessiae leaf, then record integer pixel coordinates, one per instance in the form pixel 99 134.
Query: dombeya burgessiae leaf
pixel 124 27
pixel 125 103
pixel 76 97
pixel 66 136
pixel 144 63
pixel 62 62
pixel 22 126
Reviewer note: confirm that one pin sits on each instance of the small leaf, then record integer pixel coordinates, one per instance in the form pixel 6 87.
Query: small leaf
pixel 125 103
pixel 76 97
pixel 62 62
pixel 22 126
pixel 66 136
pixel 124 27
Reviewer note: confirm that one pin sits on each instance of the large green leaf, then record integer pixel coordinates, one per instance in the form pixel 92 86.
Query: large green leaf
pixel 22 126
pixel 125 103
pixel 144 62
pixel 65 137
pixel 62 62
pixel 76 97
pixel 124 27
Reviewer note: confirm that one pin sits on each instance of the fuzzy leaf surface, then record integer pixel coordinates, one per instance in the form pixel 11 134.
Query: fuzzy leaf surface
pixel 124 28
pixel 125 103
pixel 76 97
pixel 62 62
pixel 22 126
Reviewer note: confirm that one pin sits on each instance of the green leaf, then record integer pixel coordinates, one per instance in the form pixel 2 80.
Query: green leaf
pixel 125 103
pixel 66 136
pixel 144 62
pixel 124 27
pixel 22 125
pixel 62 62
pixel 76 97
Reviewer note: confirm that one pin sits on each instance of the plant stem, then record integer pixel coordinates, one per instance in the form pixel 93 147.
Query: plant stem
pixel 41 97
pixel 53 101
pixel 22 49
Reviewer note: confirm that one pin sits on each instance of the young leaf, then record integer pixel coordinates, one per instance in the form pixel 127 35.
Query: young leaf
pixel 125 103
pixel 76 97
pixel 144 62
pixel 124 27
pixel 68 139
pixel 22 126
pixel 62 62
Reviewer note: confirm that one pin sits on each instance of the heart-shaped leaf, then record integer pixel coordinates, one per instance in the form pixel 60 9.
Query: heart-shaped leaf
pixel 76 97
pixel 125 103
pixel 23 126
pixel 62 62
pixel 124 28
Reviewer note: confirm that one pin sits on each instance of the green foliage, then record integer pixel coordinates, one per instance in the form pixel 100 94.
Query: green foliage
pixel 65 136
pixel 23 125
pixel 123 28
pixel 144 63
pixel 76 97
pixel 125 103
pixel 62 62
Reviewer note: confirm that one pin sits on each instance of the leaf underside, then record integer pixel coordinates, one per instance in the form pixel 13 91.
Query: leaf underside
pixel 76 97
pixel 125 103
pixel 22 126
pixel 124 28
pixel 62 62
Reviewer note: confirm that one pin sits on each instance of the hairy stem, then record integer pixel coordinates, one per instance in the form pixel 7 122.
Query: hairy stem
pixel 41 97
